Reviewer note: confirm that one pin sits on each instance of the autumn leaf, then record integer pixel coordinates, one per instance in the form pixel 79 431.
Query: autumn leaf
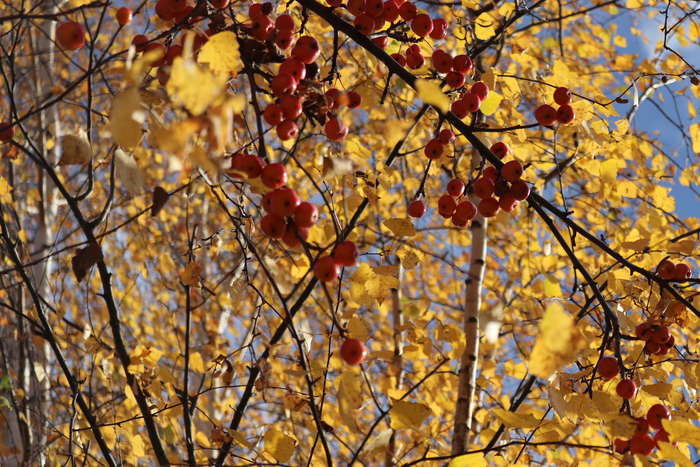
pixel 125 118
pixel 469 460
pixel 75 149
pixel 430 93
pixel 406 414
pixel 400 227
pixel 515 420
pixel 557 344
pixel 221 53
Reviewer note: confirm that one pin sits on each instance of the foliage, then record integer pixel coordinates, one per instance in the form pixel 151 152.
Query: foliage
pixel 147 319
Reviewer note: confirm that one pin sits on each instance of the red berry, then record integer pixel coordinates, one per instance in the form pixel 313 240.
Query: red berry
pixel 439 29
pixel 562 96
pixel 408 11
pixel 356 7
pixel 642 444
pixel 626 389
pixel 219 4
pixel 173 52
pixel 455 188
pixel 306 49
pixel 273 114
pixel 251 165
pixel 287 130
pixel 608 367
pixel 480 89
pixel 459 108
pixel 283 83
pixel 285 23
pixel 507 202
pixel 472 102
pixel 335 129
pixel 488 207
pixel 400 59
pixel 621 445
pixel 565 114
pixel 446 136
pixel 124 16
pixel 682 272
pixel 422 25
pixel 414 61
pixel 642 427
pixel 274 175
pixel 462 64
pixel 332 97
pixel 284 40
pixel 293 235
pixel 545 115
pixel 459 221
pixel 346 253
pixel 652 348
pixel 294 67
pixel 364 23
pixel 7 132
pixel 354 99
pixel 416 208
pixel 413 50
pixel 454 79
pixel 500 149
pixel 661 335
pixel 465 210
pixel 139 41
pixel 434 149
pixel 262 28
pixel 283 202
pixel 326 269
pixel 273 226
pixel 306 214
pixel 661 436
pixel 374 8
pixel 666 270
pixel 291 106
pixel 70 35
pixel 442 61
pixel 390 12
pixel 483 187
pixel 643 330
pixel 512 171
pixel 501 187
pixel 446 206
pixel 353 351
pixel 491 172
pixel 656 413
pixel 382 42
pixel 519 189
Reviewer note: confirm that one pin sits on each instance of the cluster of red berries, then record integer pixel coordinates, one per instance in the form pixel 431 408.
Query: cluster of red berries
pixel 327 267
pixel 372 15
pixel 470 102
pixel 642 442
pixel 608 368
pixel 668 270
pixel 547 115
pixel 657 336
pixel 7 132
pixel 287 218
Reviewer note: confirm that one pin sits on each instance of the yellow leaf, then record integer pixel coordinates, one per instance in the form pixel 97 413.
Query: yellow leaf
pixel 469 460
pixel 5 190
pixel 202 439
pixel 489 78
pixel 358 328
pixel 637 245
pixel 125 118
pixel 682 431
pixel 608 171
pixel 491 103
pixel 695 136
pixel 400 227
pixel 349 397
pixel 660 390
pixel 430 93
pixel 557 344
pixel 551 288
pixel 75 149
pixel 408 414
pixel 137 447
pixel 515 420
pixel 669 452
pixel 197 363
pixel 190 274
pixel 128 172
pixel 279 445
pixel 194 87
pixel 221 53
pixel 485 27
